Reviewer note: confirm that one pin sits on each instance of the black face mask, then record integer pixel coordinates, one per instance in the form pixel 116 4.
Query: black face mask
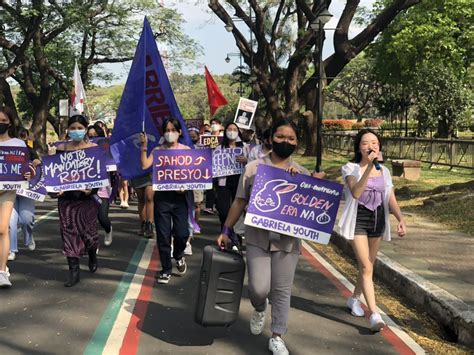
pixel 4 127
pixel 195 140
pixel 283 149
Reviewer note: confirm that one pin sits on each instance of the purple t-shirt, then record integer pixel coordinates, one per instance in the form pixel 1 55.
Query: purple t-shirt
pixel 372 196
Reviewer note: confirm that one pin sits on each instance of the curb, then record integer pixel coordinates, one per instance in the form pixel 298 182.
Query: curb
pixel 455 316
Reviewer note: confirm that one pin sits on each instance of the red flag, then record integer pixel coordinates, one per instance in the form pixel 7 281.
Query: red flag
pixel 214 95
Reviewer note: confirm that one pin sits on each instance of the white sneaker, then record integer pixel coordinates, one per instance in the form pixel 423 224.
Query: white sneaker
pixel 5 280
pixel 257 321
pixel 355 306
pixel 108 238
pixel 124 205
pixel 376 322
pixel 189 249
pixel 11 256
pixel 7 270
pixel 32 244
pixel 277 346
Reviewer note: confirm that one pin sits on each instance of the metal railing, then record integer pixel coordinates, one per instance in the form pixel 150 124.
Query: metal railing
pixel 449 152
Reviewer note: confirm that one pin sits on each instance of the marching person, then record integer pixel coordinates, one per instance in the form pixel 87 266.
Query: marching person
pixel 226 186
pixel 271 257
pixel 170 207
pixel 262 149
pixel 24 209
pixel 7 198
pixel 104 193
pixel 365 220
pixel 78 210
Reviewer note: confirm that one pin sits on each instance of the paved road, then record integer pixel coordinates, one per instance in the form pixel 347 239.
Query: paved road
pixel 120 310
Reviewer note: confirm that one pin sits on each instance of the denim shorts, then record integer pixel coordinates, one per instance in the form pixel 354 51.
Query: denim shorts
pixel 370 223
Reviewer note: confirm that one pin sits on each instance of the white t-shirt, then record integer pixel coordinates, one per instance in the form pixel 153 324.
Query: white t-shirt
pixel 13 142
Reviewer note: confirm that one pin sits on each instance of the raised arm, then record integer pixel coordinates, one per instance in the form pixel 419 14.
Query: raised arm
pixel 146 160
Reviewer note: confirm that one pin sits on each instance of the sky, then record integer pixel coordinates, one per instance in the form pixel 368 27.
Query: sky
pixel 208 30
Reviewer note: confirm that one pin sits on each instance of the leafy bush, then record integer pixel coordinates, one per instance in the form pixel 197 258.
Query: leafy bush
pixel 373 122
pixel 357 125
pixel 337 125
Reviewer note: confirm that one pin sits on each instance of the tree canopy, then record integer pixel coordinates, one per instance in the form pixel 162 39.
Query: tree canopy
pixel 41 39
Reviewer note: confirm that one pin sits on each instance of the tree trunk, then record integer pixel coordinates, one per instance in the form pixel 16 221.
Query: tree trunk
pixel 308 122
pixel 6 99
pixel 443 128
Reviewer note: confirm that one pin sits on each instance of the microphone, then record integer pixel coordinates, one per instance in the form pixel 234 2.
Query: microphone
pixel 375 162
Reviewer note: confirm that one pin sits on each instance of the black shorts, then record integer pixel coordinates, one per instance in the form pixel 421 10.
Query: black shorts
pixel 370 223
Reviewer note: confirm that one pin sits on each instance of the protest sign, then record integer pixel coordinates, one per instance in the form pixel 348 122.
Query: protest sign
pixel 36 190
pixel 210 141
pixel 299 206
pixel 176 169
pixel 14 163
pixel 75 170
pixel 224 161
pixel 195 122
pixel 245 113
pixel 104 143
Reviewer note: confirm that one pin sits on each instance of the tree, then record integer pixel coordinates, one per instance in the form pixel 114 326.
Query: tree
pixel 40 42
pixel 271 25
pixel 356 87
pixel 427 51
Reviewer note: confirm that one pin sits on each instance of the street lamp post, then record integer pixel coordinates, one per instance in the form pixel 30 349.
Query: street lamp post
pixel 227 60
pixel 229 28
pixel 318 25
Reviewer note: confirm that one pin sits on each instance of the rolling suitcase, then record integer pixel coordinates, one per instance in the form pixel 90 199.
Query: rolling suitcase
pixel 220 287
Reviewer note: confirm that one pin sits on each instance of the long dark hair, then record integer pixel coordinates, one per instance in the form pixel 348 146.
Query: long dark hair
pixel 283 122
pixel 98 129
pixel 80 119
pixel 7 111
pixel 225 141
pixel 174 121
pixel 358 139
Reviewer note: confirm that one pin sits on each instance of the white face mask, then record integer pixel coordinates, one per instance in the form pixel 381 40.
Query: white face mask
pixel 232 135
pixel 214 127
pixel 171 137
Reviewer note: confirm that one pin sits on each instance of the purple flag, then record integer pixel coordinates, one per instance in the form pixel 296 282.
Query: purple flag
pixel 14 163
pixel 147 101
pixel 224 161
pixel 75 170
pixel 188 169
pixel 299 206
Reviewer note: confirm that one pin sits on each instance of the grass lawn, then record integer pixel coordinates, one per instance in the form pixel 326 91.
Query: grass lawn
pixel 451 208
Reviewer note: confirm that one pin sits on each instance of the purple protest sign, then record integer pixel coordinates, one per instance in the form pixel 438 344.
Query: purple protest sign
pixel 195 122
pixel 14 163
pixel 104 143
pixel 36 190
pixel 224 162
pixel 299 206
pixel 75 170
pixel 176 169
pixel 210 141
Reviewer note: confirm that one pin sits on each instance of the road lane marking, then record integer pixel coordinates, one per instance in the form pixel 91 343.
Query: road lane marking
pixel 106 324
pixel 402 342
pixel 132 336
pixel 117 334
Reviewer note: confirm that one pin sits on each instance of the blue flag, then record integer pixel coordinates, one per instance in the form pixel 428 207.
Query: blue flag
pixel 147 101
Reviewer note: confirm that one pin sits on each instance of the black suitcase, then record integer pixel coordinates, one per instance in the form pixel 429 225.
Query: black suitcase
pixel 220 287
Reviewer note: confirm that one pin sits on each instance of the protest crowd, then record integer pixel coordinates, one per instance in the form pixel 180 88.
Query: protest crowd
pixel 178 169
pixel 171 211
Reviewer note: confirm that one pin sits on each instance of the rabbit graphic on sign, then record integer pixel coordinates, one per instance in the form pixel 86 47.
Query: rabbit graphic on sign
pixel 268 198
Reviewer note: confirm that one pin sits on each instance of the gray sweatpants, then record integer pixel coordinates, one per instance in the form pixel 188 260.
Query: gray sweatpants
pixel 271 275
